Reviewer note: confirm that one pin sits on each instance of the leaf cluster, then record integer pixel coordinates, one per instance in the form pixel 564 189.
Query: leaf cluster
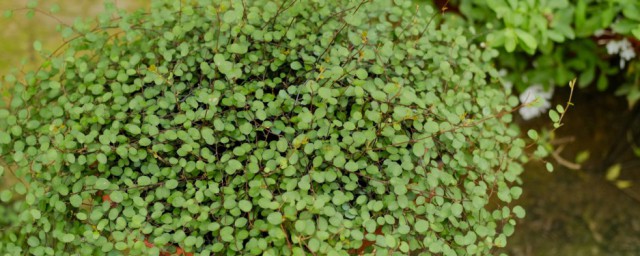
pixel 551 42
pixel 261 128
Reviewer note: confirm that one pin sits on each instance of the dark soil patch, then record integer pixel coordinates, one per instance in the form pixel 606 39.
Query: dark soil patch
pixel 579 212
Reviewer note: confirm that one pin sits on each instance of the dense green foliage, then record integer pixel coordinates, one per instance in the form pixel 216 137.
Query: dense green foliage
pixel 264 127
pixel 550 42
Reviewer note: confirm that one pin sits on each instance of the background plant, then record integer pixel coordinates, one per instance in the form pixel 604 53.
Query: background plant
pixel 260 127
pixel 551 42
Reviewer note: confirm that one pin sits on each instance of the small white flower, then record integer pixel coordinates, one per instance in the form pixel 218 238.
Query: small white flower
pixel 599 32
pixel 507 85
pixel 627 53
pixel 536 93
pixel 613 47
pixel 623 48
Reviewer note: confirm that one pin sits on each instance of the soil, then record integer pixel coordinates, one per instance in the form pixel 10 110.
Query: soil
pixel 580 212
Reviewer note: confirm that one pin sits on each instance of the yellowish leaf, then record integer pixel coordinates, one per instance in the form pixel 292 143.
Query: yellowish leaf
pixel 622 184
pixel 613 172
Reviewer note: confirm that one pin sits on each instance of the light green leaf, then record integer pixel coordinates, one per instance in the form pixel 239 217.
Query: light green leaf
pixel 275 218
pixel 613 172
pixel 144 181
pixel 102 184
pixel 238 48
pixel 519 211
pixel 623 184
pixel 390 241
pixel 75 200
pixel 171 184
pixel 510 40
pixel 5 138
pixel 55 8
pixel 549 167
pixel 37 45
pixel 456 209
pixel 102 158
pixel 33 241
pixel 527 39
pixel 116 196
pixel 431 127
pixel 67 238
pixel 234 165
pixel 246 128
pixel 554 116
pixel 351 166
pixel 421 226
pixel 6 195
pixel 314 244
pixel 636 32
pixel 81 216
pixel 501 241
pixel 296 65
pixel 582 156
pixel 36 214
pixel 324 93
pixel 133 129
pixel 226 234
pixel 245 205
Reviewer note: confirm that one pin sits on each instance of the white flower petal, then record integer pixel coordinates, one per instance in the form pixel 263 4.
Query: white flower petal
pixel 507 85
pixel 627 53
pixel 613 47
pixel 531 94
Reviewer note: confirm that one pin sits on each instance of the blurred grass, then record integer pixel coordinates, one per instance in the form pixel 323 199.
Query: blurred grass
pixel 19 33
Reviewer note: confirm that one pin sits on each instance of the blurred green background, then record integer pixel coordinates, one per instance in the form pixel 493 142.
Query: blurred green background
pixel 19 32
